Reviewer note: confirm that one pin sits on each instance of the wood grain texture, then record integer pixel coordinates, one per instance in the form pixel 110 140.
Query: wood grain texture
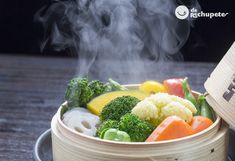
pixel 32 89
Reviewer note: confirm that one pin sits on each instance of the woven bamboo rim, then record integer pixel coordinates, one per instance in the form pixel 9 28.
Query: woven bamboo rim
pixel 73 146
pixel 76 135
pixel 193 147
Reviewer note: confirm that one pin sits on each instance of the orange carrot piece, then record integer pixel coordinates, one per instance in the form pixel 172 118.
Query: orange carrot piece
pixel 200 123
pixel 172 127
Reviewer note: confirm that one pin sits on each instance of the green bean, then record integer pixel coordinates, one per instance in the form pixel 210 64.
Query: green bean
pixel 189 96
pixel 206 110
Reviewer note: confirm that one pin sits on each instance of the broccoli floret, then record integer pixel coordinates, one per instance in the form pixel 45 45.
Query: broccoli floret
pixel 138 129
pixel 114 86
pixel 86 94
pixel 73 92
pixel 78 93
pixel 118 107
pixel 97 87
pixel 106 125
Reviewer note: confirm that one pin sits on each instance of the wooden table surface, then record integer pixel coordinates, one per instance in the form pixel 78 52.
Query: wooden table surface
pixel 32 88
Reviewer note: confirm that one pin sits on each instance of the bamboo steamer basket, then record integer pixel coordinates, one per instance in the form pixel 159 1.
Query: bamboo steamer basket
pixel 221 88
pixel 210 144
pixel 69 145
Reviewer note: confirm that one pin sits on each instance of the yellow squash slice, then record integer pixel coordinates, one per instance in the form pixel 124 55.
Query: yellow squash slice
pixel 97 104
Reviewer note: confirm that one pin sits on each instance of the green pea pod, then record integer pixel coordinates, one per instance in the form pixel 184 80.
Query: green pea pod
pixel 206 110
pixel 189 96
pixel 114 86
pixel 116 135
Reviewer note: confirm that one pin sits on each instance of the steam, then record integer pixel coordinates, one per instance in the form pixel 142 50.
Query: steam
pixel 113 38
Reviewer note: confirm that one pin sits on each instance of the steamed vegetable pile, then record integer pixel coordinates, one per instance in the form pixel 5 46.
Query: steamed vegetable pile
pixel 154 112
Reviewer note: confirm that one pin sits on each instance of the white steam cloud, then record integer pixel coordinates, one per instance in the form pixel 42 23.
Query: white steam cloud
pixel 113 38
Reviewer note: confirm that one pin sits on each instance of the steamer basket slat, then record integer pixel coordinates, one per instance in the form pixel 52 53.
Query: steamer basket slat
pixel 64 149
pixel 68 145
pixel 221 87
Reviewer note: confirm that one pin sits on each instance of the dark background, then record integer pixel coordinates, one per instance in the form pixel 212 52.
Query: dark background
pixel 208 41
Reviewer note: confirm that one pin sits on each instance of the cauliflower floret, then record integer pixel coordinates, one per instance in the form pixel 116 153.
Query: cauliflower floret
pixel 177 109
pixel 146 110
pixel 159 99
pixel 158 106
pixel 184 102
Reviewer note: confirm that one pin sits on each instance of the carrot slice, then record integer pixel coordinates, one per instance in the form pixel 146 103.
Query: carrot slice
pixel 172 127
pixel 200 123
